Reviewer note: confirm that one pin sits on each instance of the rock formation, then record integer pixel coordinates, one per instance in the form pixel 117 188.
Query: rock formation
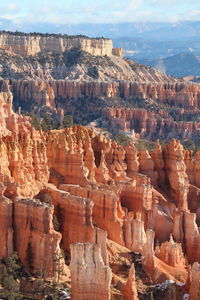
pixel 171 253
pixel 148 124
pixel 195 282
pixel 95 189
pixel 91 279
pixel 134 233
pixel 27 44
pixel 39 251
pixel 148 251
pixel 176 173
pixel 130 291
pixel 6 229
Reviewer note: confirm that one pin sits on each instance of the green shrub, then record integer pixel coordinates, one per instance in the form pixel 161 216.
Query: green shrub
pixel 122 139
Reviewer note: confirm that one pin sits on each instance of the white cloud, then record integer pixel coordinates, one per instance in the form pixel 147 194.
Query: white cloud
pixel 110 11
pixel 12 6
pixel 193 15
pixel 134 4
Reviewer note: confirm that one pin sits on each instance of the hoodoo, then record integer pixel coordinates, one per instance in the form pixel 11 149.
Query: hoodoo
pixel 105 220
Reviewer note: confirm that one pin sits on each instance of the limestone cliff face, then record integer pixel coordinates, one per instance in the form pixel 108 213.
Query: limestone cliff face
pixel 6 228
pixel 195 281
pixel 67 94
pixel 41 91
pixel 10 122
pixel 149 124
pixel 55 73
pixel 91 279
pixel 130 291
pixel 31 45
pixel 107 211
pixel 96 189
pixel 192 237
pixel 171 253
pixel 40 247
pixel 176 173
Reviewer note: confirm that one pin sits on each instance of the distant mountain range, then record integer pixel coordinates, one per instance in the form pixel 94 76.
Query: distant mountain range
pixel 139 48
pixel 154 44
pixel 180 65
pixel 177 31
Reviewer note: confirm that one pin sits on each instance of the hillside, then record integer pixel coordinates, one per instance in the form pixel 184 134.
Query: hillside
pixel 180 65
pixel 140 48
pixel 97 219
pixel 59 75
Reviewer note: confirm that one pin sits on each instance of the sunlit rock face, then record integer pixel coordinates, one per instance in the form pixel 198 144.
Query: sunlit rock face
pixel 91 278
pixel 31 45
pixel 79 191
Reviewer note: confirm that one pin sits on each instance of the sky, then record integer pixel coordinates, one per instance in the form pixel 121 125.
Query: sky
pixel 16 15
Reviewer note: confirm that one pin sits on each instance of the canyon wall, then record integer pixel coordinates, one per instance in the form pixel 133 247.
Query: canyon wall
pixel 149 124
pixel 33 44
pixel 42 92
pixel 99 192
pixel 91 279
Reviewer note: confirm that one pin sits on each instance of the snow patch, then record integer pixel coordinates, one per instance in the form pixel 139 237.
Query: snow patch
pixel 180 283
pixel 163 285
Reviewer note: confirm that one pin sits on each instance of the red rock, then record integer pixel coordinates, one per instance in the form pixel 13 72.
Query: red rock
pixel 148 251
pixel 92 182
pixel 107 212
pixel 146 166
pixel 157 157
pixel 148 124
pixel 171 253
pixel 75 216
pixel 192 237
pixel 131 156
pixel 130 291
pixel 91 279
pixel 6 229
pixel 195 282
pixel 40 247
pixel 176 173
pixel 134 233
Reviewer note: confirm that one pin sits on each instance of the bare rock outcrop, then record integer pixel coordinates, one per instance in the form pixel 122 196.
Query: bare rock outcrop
pixel 192 237
pixel 95 188
pixel 90 277
pixel 148 251
pixel 6 228
pixel 40 249
pixel 146 166
pixel 32 44
pixel 134 232
pixel 176 173
pixel 195 282
pixel 107 212
pixel 171 253
pixel 148 124
pixel 130 290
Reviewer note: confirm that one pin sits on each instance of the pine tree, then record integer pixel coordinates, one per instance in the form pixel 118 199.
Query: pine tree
pixel 30 257
pixel 10 287
pixel 11 271
pixel 67 121
pixel 46 123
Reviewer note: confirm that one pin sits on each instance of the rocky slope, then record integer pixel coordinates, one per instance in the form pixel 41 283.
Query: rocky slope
pixel 110 201
pixel 87 78
pixel 179 65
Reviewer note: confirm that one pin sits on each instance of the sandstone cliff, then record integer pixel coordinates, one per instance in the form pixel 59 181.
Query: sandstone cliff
pixel 91 279
pixel 81 76
pixel 27 44
pixel 96 189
